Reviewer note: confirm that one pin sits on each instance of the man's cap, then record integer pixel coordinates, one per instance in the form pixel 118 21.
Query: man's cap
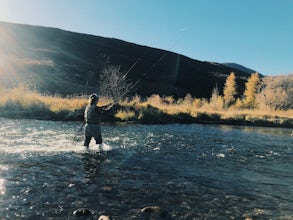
pixel 94 96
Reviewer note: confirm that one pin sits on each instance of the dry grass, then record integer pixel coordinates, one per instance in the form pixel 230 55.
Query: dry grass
pixel 22 99
pixel 125 115
pixel 197 108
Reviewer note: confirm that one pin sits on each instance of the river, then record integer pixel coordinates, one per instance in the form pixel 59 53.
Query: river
pixel 189 171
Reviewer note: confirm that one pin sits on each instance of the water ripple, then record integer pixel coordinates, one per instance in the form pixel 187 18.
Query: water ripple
pixel 193 171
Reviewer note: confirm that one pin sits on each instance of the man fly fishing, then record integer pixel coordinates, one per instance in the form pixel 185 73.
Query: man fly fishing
pixel 92 120
pixel 116 89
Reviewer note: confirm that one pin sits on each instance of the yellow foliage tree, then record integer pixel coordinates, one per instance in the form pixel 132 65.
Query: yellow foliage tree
pixel 276 92
pixel 230 90
pixel 251 89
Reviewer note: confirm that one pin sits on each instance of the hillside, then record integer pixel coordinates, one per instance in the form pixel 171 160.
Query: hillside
pixel 240 67
pixel 57 61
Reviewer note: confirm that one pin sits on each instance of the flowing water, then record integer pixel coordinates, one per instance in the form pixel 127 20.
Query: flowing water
pixel 189 171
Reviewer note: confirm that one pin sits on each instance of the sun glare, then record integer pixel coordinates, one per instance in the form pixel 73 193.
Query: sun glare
pixel 11 63
pixel 4 41
pixel 2 181
pixel 2 186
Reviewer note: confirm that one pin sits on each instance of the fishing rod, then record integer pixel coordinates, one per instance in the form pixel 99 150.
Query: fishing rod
pixel 76 137
pixel 166 51
pixel 158 61
pixel 133 65
pixel 117 98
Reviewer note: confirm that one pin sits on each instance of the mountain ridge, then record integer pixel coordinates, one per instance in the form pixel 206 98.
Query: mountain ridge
pixel 240 67
pixel 64 62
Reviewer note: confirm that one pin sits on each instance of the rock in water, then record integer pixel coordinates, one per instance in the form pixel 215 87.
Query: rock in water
pixel 156 210
pixel 83 212
pixel 104 217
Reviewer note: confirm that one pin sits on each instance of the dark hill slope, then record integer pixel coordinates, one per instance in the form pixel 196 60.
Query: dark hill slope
pixel 64 62
pixel 239 67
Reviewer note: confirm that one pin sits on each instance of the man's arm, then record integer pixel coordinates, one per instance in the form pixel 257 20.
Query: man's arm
pixel 107 107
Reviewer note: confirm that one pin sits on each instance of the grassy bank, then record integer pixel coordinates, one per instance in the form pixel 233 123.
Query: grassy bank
pixel 22 103
pixel 156 109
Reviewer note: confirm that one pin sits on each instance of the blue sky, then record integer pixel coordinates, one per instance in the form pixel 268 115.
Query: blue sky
pixel 255 33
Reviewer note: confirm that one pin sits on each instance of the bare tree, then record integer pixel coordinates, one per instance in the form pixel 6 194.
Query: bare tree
pixel 114 84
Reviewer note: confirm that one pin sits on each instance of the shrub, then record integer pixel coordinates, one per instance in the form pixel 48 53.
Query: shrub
pixel 125 115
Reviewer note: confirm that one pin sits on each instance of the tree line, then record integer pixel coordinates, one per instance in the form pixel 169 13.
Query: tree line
pixel 271 93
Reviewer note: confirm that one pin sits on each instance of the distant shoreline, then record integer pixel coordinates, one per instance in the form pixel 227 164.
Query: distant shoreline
pixel 154 121
pixel 21 103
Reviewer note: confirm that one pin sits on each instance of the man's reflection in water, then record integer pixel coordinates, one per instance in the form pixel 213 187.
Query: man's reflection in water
pixel 92 166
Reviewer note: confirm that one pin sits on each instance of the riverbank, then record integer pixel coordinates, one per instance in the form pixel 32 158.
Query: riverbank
pixel 152 115
pixel 22 103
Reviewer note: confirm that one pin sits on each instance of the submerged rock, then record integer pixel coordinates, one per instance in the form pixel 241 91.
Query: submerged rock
pixel 83 212
pixel 155 210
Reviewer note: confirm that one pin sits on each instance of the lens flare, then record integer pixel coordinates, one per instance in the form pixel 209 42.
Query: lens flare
pixel 20 55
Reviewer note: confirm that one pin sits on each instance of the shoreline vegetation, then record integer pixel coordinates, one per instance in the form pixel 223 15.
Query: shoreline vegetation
pixel 22 103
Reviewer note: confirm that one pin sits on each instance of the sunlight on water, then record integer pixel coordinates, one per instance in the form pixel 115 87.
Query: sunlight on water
pixel 193 171
pixel 2 186
pixel 55 147
pixel 39 138
pixel 105 147
pixel 3 169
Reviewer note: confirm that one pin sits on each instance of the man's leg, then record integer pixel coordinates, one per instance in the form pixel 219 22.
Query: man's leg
pixel 99 139
pixel 87 141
